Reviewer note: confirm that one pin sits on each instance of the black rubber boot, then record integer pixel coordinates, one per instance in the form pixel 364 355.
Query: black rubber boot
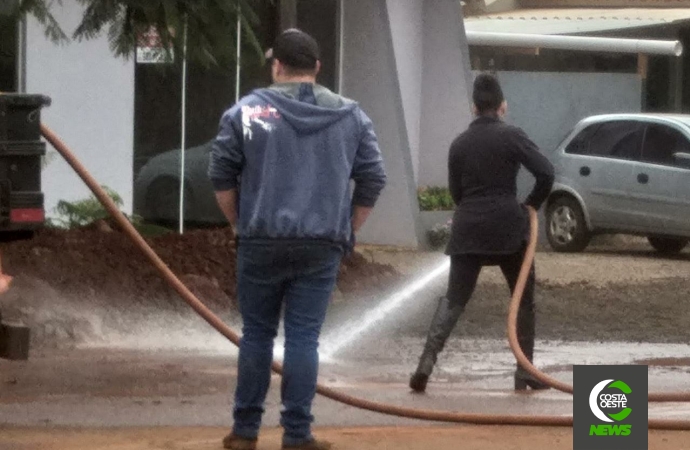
pixel 442 325
pixel 420 378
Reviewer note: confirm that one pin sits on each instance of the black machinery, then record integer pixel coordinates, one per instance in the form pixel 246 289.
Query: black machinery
pixel 22 209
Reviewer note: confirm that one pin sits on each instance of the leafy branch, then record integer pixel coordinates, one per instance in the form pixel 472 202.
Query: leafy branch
pixel 41 10
pixel 211 25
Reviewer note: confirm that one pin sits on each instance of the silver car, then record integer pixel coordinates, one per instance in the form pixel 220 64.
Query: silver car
pixel 622 173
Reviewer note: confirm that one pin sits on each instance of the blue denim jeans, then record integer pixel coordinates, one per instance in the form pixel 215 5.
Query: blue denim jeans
pixel 299 276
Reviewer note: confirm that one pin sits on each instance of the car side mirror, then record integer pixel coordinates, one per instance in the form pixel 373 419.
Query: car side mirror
pixel 683 159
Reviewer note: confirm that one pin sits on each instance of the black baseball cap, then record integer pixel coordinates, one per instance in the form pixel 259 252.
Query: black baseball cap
pixel 295 49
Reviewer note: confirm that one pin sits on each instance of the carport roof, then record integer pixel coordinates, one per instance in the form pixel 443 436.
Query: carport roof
pixel 575 20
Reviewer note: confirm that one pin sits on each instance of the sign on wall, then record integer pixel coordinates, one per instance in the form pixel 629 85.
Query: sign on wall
pixel 150 49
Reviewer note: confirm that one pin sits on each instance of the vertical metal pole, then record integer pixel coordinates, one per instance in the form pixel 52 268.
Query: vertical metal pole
pixel 341 45
pixel 184 126
pixel 21 56
pixel 288 14
pixel 642 71
pixel 238 55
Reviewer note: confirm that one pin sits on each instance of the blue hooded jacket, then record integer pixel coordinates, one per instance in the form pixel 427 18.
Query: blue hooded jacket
pixel 292 150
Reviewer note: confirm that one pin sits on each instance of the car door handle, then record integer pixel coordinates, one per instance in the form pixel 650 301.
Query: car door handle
pixel 585 171
pixel 642 178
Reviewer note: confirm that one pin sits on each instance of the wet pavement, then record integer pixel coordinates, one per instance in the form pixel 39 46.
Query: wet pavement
pixel 106 387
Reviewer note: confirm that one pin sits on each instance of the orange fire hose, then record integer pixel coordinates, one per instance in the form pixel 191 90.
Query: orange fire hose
pixel 383 408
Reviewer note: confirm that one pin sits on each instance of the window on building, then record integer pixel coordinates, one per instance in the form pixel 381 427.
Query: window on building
pixel 157 110
pixel 210 91
pixel 158 122
pixel 319 18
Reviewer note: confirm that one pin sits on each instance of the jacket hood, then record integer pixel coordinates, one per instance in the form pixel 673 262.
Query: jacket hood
pixel 308 108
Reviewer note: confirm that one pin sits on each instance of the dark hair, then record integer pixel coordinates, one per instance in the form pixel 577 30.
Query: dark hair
pixel 297 50
pixel 487 95
pixel 291 71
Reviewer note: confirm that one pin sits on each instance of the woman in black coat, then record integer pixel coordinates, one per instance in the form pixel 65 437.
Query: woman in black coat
pixel 490 226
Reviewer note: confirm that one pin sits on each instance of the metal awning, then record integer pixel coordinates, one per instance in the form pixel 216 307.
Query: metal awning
pixel 577 43
pixel 575 20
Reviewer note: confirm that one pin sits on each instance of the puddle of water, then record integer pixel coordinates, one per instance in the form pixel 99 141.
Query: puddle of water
pixel 395 358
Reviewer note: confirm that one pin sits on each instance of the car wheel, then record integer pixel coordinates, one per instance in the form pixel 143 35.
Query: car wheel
pixel 566 228
pixel 668 246
pixel 163 201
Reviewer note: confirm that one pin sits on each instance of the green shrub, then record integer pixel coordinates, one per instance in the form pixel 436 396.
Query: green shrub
pixel 85 212
pixel 435 198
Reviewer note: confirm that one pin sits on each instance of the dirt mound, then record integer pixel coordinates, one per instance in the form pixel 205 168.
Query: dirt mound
pixel 97 263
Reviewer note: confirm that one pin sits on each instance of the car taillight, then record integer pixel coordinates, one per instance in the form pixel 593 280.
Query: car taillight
pixel 27 215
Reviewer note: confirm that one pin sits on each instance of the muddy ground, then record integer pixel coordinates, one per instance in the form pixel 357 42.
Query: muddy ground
pixel 71 284
pixel 94 262
pixel 68 284
pixel 618 290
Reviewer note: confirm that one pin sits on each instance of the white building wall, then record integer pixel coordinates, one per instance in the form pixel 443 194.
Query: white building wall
pixel 432 59
pixel 92 110
pixel 446 94
pixel 407 28
pixel 406 63
pixel 370 77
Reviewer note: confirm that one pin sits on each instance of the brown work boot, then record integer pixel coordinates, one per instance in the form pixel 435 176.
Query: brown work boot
pixel 311 445
pixel 233 442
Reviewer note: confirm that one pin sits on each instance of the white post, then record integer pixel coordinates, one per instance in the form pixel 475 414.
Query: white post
pixel 21 56
pixel 341 45
pixel 184 125
pixel 238 55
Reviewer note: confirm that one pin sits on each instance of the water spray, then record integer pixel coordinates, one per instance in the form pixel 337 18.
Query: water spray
pixel 384 309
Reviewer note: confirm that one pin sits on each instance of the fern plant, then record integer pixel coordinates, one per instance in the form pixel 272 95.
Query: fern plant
pixel 83 212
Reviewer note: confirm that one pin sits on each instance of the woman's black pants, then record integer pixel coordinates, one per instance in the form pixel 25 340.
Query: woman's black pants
pixel 464 272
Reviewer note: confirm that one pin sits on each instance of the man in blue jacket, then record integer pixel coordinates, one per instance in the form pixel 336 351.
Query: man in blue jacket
pixel 281 167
